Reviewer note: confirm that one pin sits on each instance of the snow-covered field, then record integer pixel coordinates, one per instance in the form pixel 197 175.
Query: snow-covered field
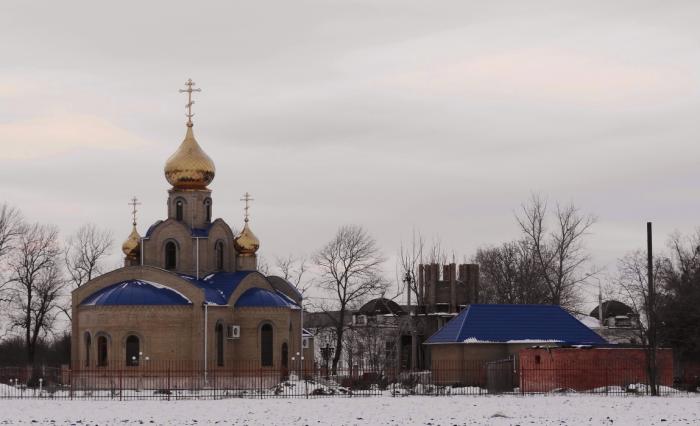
pixel 454 410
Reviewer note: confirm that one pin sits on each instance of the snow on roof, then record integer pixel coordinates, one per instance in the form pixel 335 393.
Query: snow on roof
pixel 136 292
pixel 261 298
pixel 219 286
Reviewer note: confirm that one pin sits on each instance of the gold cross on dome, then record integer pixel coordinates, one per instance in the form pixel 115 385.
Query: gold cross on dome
pixel 134 202
pixel 189 83
pixel 247 198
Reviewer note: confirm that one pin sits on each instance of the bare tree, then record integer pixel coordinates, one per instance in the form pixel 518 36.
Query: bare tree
pixel 11 224
pixel 36 283
pixel 292 269
pixel 263 266
pixel 410 257
pixel 633 287
pixel 560 254
pixel 350 269
pixel 84 253
pixel 510 274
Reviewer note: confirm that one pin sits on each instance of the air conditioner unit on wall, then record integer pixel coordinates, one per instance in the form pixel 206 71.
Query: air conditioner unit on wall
pixel 233 331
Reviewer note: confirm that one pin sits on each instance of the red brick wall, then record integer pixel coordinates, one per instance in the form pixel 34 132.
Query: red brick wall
pixel 542 370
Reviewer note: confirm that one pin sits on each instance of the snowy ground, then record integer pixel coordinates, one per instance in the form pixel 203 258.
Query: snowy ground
pixel 454 410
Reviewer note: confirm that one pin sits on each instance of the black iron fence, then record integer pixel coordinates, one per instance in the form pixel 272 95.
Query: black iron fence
pixel 177 380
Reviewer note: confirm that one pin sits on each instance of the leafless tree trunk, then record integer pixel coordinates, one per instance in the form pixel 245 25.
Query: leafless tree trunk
pixel 36 283
pixel 560 253
pixel 292 269
pixel 11 225
pixel 350 269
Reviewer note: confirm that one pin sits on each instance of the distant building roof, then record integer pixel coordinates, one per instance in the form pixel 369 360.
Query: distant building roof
pixel 261 298
pixel 515 324
pixel 612 308
pixel 136 292
pixel 381 306
pixel 324 319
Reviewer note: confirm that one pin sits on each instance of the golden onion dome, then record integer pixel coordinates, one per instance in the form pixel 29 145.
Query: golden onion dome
pixel 132 244
pixel 189 167
pixel 246 243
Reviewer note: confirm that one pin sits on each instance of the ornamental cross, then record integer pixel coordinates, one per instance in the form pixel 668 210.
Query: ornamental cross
pixel 189 83
pixel 134 202
pixel 247 198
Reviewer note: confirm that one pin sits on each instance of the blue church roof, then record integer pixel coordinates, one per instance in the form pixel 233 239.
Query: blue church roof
pixel 136 292
pixel 219 286
pixel 259 297
pixel 515 324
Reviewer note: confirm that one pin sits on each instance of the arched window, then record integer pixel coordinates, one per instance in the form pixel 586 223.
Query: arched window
pixel 88 348
pixel 133 352
pixel 285 355
pixel 219 331
pixel 102 359
pixel 179 210
pixel 266 345
pixel 219 251
pixel 207 209
pixel 170 255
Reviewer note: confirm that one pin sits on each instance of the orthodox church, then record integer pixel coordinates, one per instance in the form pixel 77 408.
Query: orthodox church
pixel 189 291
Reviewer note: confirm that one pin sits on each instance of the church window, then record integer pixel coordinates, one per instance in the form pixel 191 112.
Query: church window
pixel 266 345
pixel 102 359
pixel 133 353
pixel 207 209
pixel 88 344
pixel 179 210
pixel 285 355
pixel 219 344
pixel 219 251
pixel 170 255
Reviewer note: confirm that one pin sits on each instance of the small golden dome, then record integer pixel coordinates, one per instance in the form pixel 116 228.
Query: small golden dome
pixel 246 243
pixel 189 167
pixel 132 244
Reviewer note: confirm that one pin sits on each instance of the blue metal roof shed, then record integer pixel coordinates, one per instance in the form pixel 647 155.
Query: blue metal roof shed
pixel 515 324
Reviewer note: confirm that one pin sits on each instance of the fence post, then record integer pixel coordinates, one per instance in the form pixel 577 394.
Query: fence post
pixel 522 379
pixel 121 387
pixel 168 392
pixel 70 381
pixel 261 383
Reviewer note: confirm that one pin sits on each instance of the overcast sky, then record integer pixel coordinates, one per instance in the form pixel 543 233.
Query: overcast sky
pixel 439 116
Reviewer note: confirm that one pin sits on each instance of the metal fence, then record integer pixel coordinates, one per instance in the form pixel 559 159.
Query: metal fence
pixel 176 380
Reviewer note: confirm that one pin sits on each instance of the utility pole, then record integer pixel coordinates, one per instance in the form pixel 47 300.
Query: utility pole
pixel 651 316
